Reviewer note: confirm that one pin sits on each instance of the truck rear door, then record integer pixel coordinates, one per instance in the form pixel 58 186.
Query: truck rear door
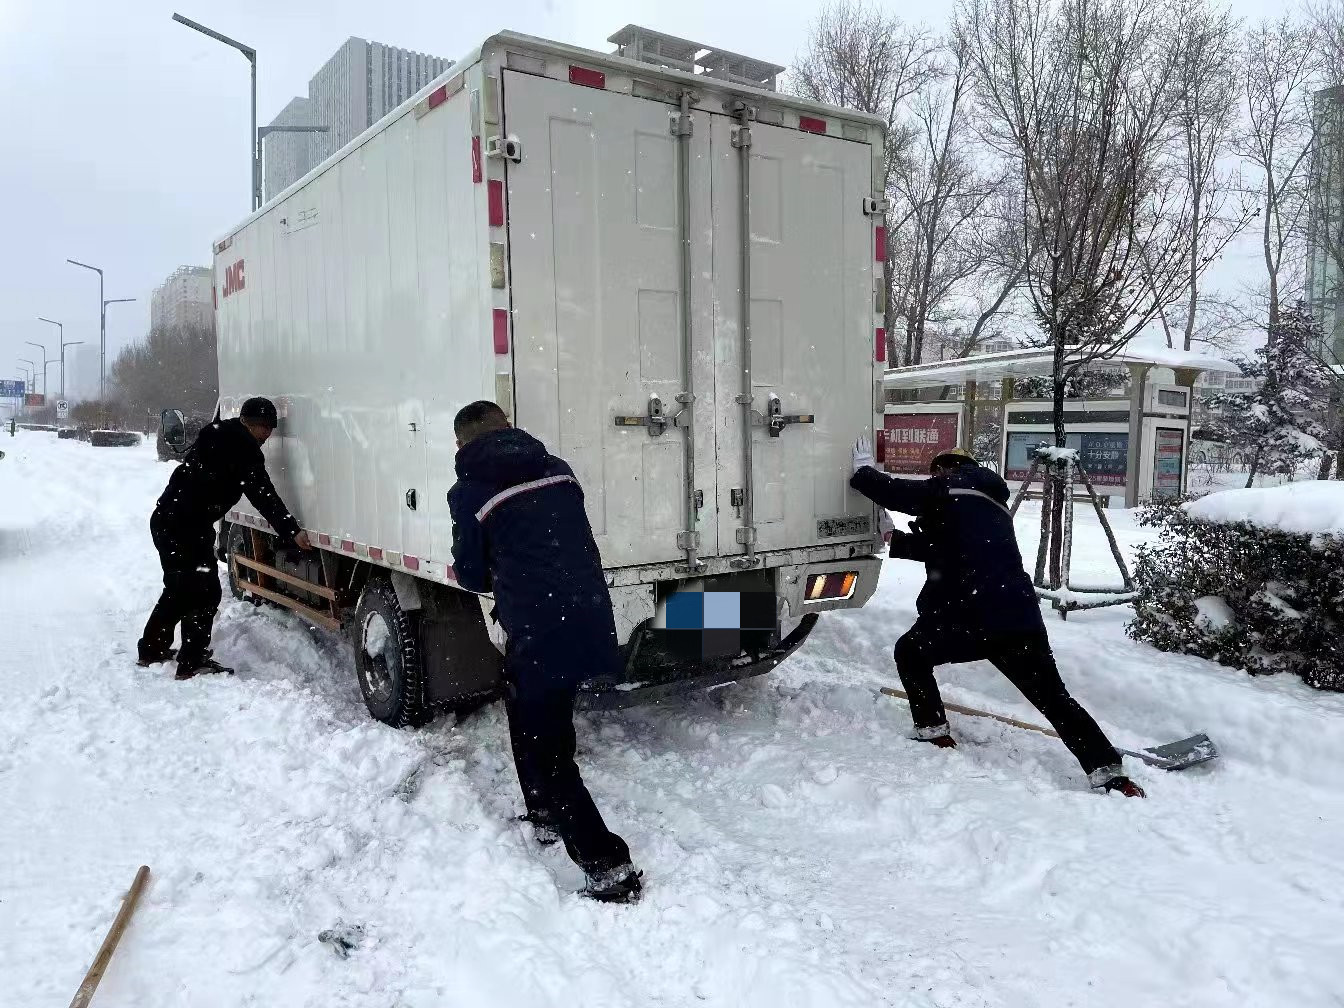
pixel 595 246
pixel 811 333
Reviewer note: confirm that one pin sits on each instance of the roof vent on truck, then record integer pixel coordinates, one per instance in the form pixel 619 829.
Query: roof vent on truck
pixel 648 46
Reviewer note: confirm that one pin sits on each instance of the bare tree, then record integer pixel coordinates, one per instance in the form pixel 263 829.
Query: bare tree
pixel 1281 61
pixel 861 57
pixel 1207 117
pixel 1080 94
pixel 950 201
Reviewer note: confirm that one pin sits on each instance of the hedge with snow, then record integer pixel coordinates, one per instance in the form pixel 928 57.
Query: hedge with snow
pixel 1251 578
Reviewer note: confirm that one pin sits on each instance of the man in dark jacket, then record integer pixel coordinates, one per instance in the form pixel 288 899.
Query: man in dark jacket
pixel 223 464
pixel 977 603
pixel 520 530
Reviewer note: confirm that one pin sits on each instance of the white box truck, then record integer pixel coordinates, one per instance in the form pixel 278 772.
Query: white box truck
pixel 665 270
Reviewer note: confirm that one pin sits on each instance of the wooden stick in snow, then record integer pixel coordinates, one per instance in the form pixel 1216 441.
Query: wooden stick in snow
pixel 95 974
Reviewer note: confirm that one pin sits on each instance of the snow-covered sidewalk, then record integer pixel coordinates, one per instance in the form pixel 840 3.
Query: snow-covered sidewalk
pixel 799 849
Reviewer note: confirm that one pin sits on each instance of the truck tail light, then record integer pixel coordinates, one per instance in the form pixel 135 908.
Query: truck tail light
pixel 827 587
pixel 811 124
pixel 586 77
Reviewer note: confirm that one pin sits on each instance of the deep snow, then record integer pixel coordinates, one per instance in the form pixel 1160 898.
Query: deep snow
pixel 1312 507
pixel 799 849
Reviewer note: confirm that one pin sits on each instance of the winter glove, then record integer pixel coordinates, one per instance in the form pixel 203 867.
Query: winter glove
pixel 863 453
pixel 884 524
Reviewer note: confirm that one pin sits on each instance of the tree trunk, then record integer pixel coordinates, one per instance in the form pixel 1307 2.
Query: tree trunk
pixel 1255 466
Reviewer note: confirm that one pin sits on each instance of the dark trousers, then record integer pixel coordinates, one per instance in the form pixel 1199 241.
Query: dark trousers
pixel 540 704
pixel 191 591
pixel 1029 664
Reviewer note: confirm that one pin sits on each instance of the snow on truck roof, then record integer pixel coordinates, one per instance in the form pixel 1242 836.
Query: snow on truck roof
pixel 1035 361
pixel 1312 507
pixel 714 61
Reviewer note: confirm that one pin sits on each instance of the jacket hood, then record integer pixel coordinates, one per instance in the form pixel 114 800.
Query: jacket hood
pixel 503 458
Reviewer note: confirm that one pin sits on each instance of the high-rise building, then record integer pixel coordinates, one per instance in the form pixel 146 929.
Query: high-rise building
pixel 1325 221
pixel 81 372
pixel 362 82
pixel 184 299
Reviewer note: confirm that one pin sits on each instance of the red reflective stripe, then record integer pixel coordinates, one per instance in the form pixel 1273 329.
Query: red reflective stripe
pixel 502 331
pixel 496 203
pixel 348 546
pixel 324 539
pixel 375 553
pixel 438 96
pixel 476 173
pixel 808 124
pixel 880 243
pixel 587 78
pixel 880 345
pixel 412 563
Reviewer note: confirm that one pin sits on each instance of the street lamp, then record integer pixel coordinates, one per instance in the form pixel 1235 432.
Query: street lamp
pixel 32 373
pixel 78 342
pixel 27 376
pixel 266 131
pixel 45 359
pixel 102 328
pixel 254 155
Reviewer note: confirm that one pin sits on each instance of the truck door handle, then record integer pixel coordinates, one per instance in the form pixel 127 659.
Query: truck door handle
pixel 775 419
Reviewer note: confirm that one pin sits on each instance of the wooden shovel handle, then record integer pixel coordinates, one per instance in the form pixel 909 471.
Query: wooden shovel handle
pixel 95 974
pixel 980 713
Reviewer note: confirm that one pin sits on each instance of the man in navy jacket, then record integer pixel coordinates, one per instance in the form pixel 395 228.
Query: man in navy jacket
pixel 520 531
pixel 977 603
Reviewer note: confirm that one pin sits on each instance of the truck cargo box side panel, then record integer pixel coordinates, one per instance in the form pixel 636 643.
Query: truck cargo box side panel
pixel 595 255
pixel 364 316
pixel 812 269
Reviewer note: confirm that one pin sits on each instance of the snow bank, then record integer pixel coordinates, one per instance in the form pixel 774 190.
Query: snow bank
pixel 1313 507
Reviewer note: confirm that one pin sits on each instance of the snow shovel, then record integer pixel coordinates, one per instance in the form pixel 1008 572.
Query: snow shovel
pixel 1179 755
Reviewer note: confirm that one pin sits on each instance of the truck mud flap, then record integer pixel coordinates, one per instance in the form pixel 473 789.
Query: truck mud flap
pixel 637 693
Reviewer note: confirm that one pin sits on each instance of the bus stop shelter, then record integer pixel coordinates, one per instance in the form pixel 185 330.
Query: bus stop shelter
pixel 1138 444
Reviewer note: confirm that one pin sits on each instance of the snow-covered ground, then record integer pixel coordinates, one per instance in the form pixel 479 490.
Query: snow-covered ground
pixel 799 849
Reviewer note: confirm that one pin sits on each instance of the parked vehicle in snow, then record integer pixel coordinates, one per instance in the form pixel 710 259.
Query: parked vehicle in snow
pixel 665 270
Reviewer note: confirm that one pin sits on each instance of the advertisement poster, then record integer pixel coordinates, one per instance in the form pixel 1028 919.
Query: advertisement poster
pixel 911 440
pixel 34 399
pixel 1104 456
pixel 1168 462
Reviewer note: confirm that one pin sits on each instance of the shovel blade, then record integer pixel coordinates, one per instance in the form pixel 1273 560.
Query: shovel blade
pixel 1180 755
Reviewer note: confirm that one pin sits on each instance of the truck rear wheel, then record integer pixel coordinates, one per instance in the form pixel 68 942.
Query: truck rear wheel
pixel 240 544
pixel 388 659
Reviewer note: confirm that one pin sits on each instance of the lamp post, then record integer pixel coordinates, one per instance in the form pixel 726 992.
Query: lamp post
pixel 27 376
pixel 262 134
pixel 79 342
pixel 32 373
pixel 250 54
pixel 45 359
pixel 102 327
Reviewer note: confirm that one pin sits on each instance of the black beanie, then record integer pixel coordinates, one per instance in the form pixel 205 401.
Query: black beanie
pixel 261 411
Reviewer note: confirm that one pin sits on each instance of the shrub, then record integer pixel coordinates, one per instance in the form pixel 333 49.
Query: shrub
pixel 1254 598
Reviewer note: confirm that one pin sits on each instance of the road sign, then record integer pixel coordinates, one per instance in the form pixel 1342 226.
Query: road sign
pixel 62 410
pixel 12 388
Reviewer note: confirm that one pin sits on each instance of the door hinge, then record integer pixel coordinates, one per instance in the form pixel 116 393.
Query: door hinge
pixel 688 541
pixel 682 125
pixel 746 535
pixel 741 136
pixel 509 148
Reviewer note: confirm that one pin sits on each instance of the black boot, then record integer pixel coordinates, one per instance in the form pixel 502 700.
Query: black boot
pixel 620 885
pixel 206 666
pixel 543 830
pixel 148 658
pixel 1123 785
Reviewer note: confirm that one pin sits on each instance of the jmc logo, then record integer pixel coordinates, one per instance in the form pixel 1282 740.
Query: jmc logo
pixel 234 281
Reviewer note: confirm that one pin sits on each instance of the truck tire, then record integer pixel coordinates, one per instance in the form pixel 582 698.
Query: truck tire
pixel 240 543
pixel 388 659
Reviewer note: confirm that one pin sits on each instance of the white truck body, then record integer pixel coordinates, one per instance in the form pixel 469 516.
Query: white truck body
pixel 516 233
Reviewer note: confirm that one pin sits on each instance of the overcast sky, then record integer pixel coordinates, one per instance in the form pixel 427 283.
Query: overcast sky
pixel 126 134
